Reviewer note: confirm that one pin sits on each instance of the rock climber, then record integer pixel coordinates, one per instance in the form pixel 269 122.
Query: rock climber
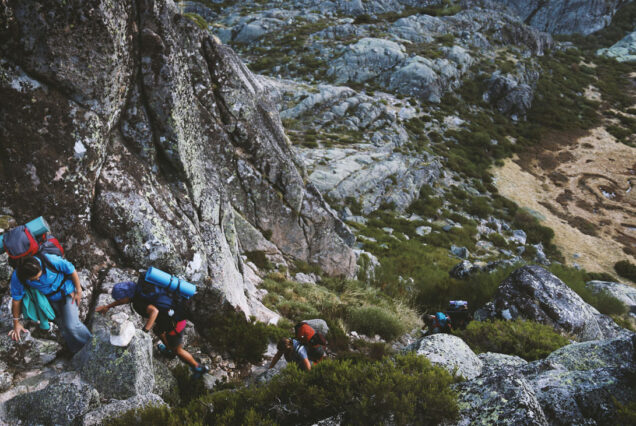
pixel 294 351
pixel 164 313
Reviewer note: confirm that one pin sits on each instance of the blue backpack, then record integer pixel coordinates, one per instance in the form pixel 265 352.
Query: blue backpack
pixel 442 319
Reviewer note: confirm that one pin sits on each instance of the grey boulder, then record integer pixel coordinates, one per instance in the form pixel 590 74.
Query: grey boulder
pixel 117 372
pixel 449 352
pixel 533 293
pixel 116 408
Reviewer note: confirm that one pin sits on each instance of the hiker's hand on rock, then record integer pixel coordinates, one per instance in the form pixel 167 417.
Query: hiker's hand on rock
pixel 76 297
pixel 102 309
pixel 15 334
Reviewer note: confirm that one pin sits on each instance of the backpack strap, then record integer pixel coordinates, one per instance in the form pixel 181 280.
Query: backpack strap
pixel 46 264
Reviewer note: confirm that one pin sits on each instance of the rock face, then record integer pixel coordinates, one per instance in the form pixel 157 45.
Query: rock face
pixel 117 408
pixel 114 371
pixel 449 352
pixel 624 50
pixel 65 398
pixel 533 293
pixel 566 17
pixel 149 144
pixel 577 384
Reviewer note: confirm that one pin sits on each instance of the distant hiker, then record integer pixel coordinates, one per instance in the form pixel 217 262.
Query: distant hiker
pixel 459 314
pixel 313 340
pixel 438 323
pixel 57 280
pixel 294 351
pixel 161 308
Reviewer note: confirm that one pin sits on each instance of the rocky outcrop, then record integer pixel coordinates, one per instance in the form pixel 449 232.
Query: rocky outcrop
pixel 137 135
pixel 624 50
pixel 581 383
pixel 533 293
pixel 449 352
pixel 565 17
pixel 114 371
pixel 65 398
pixel 117 408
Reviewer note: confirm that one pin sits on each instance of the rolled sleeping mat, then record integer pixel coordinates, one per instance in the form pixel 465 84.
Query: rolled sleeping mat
pixel 37 227
pixel 175 284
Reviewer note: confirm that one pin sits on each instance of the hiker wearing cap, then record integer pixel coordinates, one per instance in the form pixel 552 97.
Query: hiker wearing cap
pixel 164 316
pixel 438 323
pixel 57 280
pixel 294 351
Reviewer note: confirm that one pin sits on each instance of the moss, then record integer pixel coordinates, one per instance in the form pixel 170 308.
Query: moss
pixel 259 258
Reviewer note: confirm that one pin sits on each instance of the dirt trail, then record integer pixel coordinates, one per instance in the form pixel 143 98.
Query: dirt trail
pixel 582 188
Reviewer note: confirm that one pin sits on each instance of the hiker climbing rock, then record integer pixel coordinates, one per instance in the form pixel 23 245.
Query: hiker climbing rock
pixel 45 284
pixel 459 314
pixel 438 323
pixel 56 279
pixel 294 351
pixel 165 315
pixel 315 342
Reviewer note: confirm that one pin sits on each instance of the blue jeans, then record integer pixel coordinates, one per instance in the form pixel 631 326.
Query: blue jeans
pixel 67 319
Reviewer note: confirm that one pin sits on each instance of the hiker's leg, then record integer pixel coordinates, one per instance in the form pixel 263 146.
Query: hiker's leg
pixel 73 330
pixel 185 356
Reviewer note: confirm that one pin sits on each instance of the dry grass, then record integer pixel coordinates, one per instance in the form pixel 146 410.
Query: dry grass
pixel 589 168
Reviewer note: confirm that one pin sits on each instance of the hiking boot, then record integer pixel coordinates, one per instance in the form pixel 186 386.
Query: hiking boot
pixel 163 350
pixel 199 371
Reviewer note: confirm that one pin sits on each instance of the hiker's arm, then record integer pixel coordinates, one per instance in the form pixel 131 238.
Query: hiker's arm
pixel 18 329
pixel 152 312
pixel 77 294
pixel 275 359
pixel 104 308
pixel 307 364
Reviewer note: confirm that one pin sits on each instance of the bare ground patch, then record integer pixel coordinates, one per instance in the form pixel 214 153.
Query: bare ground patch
pixel 586 189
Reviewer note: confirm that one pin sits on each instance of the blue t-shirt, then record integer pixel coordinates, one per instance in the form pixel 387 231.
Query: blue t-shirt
pixel 299 354
pixel 49 281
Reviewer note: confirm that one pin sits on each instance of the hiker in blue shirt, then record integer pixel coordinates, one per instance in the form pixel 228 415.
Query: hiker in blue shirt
pixel 294 351
pixel 57 279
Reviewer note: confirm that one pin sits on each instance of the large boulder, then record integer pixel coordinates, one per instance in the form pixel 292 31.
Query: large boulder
pixel 533 293
pixel 504 398
pixel 114 371
pixel 115 409
pixel 624 50
pixel 450 352
pixel 581 383
pixel 64 399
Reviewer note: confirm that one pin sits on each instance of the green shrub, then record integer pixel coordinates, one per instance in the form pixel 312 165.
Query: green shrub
pixel 404 390
pixel 599 276
pixel 576 280
pixel 259 259
pixel 244 341
pixel 372 320
pixel 527 339
pixel 626 269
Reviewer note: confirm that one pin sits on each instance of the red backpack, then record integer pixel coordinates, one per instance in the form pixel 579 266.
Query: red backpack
pixel 313 340
pixel 20 243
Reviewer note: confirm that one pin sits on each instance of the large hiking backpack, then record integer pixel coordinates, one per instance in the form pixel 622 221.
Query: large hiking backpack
pixel 171 305
pixel 19 243
pixel 314 341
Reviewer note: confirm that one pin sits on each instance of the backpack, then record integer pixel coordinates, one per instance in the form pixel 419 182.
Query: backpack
pixel 171 305
pixel 442 320
pixel 313 340
pixel 19 243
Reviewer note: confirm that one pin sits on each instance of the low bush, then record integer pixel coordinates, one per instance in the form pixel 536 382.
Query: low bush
pixel 244 341
pixel 576 280
pixel 626 269
pixel 404 390
pixel 527 339
pixel 372 320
